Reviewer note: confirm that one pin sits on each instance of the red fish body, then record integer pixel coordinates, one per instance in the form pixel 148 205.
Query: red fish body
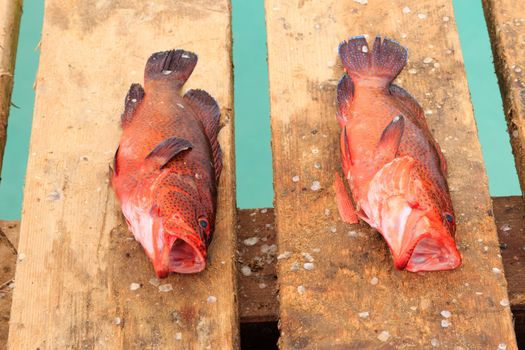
pixel 392 164
pixel 168 163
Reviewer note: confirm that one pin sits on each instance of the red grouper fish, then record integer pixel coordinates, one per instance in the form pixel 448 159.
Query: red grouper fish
pixel 168 163
pixel 392 164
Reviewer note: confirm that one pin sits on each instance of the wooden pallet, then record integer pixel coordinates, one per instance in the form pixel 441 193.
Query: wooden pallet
pixel 76 262
pixel 354 298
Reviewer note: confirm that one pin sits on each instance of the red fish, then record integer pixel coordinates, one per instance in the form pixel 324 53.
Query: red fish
pixel 168 163
pixel 392 164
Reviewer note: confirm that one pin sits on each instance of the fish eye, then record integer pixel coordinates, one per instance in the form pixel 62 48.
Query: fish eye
pixel 449 218
pixel 203 223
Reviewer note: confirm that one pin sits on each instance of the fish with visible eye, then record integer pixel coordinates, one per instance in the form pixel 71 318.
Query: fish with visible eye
pixel 391 162
pixel 168 163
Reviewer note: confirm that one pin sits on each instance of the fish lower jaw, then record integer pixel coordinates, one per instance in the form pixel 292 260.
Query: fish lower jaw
pixel 433 254
pixel 183 257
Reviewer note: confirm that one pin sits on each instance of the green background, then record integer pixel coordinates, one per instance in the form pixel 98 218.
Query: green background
pixel 252 132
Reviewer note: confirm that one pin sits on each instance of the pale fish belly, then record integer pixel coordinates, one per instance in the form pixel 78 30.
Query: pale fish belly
pixel 140 222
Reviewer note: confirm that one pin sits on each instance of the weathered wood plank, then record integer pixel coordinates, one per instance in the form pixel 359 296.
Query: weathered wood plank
pixel 73 287
pixel 10 12
pixel 353 272
pixel 256 261
pixel 506 23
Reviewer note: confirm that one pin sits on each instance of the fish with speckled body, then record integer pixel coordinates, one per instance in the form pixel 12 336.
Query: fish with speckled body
pixel 392 164
pixel 168 163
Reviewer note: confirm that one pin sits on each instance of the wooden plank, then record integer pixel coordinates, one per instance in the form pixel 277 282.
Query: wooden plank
pixel 353 272
pixel 10 12
pixel 257 257
pixel 8 242
pixel 73 287
pixel 506 22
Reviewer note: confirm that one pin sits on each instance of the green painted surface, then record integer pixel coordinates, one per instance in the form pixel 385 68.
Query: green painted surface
pixel 19 127
pixel 486 98
pixel 252 111
pixel 252 124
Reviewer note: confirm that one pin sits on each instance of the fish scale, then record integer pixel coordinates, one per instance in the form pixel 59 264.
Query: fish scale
pixel 168 163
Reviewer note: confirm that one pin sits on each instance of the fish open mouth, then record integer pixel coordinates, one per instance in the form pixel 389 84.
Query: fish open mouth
pixel 185 257
pixel 434 254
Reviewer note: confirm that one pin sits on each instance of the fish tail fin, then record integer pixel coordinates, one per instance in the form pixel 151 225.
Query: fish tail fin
pixel 385 60
pixel 174 65
pixel 209 113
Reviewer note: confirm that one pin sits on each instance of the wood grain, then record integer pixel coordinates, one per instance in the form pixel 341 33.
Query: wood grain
pixel 10 12
pixel 73 287
pixel 506 24
pixel 353 272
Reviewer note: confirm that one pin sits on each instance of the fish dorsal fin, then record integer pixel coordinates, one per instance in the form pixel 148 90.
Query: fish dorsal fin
pixel 131 103
pixel 411 104
pixel 209 114
pixel 407 100
pixel 173 65
pixel 167 150
pixel 388 144
pixel 345 94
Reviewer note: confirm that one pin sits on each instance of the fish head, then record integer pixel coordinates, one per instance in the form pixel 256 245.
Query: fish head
pixel 174 233
pixel 184 233
pixel 417 225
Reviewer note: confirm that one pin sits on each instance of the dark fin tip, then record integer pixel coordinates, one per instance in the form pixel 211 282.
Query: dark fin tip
pixel 345 93
pixel 131 102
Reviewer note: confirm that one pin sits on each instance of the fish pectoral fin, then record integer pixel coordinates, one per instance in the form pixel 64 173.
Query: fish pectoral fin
pixel 165 151
pixel 133 99
pixel 209 114
pixel 388 144
pixel 345 206
pixel 345 94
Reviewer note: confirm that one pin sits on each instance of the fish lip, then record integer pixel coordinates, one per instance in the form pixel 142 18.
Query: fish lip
pixel 165 262
pixel 435 263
